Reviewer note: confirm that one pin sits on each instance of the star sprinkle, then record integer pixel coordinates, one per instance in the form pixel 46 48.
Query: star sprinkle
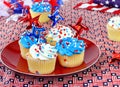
pixel 55 17
pixel 79 27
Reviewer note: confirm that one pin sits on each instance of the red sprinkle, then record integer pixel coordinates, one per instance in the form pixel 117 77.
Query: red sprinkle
pixel 36 50
pixel 67 43
pixel 59 36
pixel 75 50
pixel 65 60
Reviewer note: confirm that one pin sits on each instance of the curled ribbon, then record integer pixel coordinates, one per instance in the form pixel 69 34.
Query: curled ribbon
pixel 15 5
pixel 79 27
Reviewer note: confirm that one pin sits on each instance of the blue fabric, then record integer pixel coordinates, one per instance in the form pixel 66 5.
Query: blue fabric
pixel 109 3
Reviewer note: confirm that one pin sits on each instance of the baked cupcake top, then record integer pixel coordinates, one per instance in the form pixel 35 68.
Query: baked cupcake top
pixel 41 7
pixel 70 46
pixel 114 22
pixel 27 40
pixel 43 51
pixel 59 31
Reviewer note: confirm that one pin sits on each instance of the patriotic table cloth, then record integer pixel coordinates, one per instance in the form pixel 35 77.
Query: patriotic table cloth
pixel 111 6
pixel 101 74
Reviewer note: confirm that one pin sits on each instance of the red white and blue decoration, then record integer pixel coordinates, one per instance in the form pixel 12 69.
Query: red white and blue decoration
pixel 79 27
pixel 21 11
pixel 55 17
pixel 110 6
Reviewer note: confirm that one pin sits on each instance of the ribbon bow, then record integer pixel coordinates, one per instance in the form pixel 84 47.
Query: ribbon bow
pixel 55 17
pixel 79 27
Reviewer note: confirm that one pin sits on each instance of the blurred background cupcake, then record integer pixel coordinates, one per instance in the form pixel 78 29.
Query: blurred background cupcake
pixel 113 28
pixel 41 9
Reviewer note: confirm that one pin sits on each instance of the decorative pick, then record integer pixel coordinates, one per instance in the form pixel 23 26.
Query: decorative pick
pixel 28 18
pixel 37 31
pixel 54 4
pixel 79 27
pixel 60 2
pixel 55 17
pixel 115 56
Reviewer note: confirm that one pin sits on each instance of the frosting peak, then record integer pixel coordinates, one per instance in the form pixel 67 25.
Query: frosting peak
pixel 27 40
pixel 43 51
pixel 69 46
pixel 41 7
pixel 59 31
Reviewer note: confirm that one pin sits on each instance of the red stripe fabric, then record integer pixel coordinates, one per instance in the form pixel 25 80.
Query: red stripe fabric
pixel 92 6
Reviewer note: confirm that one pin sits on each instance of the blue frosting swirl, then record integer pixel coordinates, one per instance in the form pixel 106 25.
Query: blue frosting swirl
pixel 41 7
pixel 70 46
pixel 27 40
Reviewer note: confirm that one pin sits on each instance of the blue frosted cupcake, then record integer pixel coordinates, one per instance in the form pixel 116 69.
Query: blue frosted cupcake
pixel 70 52
pixel 25 42
pixel 42 9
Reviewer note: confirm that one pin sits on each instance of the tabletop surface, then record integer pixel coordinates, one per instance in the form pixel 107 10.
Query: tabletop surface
pixel 101 74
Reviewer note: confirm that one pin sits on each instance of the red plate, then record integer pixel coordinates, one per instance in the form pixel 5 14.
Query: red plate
pixel 11 58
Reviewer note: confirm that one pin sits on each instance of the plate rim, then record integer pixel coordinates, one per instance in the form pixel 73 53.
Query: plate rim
pixel 51 75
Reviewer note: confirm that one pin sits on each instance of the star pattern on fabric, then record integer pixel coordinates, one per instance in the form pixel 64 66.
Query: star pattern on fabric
pixel 109 3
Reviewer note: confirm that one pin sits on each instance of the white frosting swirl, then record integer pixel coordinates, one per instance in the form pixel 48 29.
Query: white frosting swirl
pixel 114 22
pixel 59 31
pixel 43 51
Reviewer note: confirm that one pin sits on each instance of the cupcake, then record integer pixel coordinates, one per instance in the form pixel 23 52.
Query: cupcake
pixel 113 28
pixel 58 32
pixel 70 52
pixel 41 58
pixel 25 42
pixel 42 9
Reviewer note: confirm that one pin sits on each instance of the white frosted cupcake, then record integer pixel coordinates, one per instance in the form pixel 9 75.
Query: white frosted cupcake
pixel 58 32
pixel 41 58
pixel 113 28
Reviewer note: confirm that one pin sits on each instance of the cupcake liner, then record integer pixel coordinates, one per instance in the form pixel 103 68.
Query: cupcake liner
pixel 71 61
pixel 23 50
pixel 40 66
pixel 113 34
